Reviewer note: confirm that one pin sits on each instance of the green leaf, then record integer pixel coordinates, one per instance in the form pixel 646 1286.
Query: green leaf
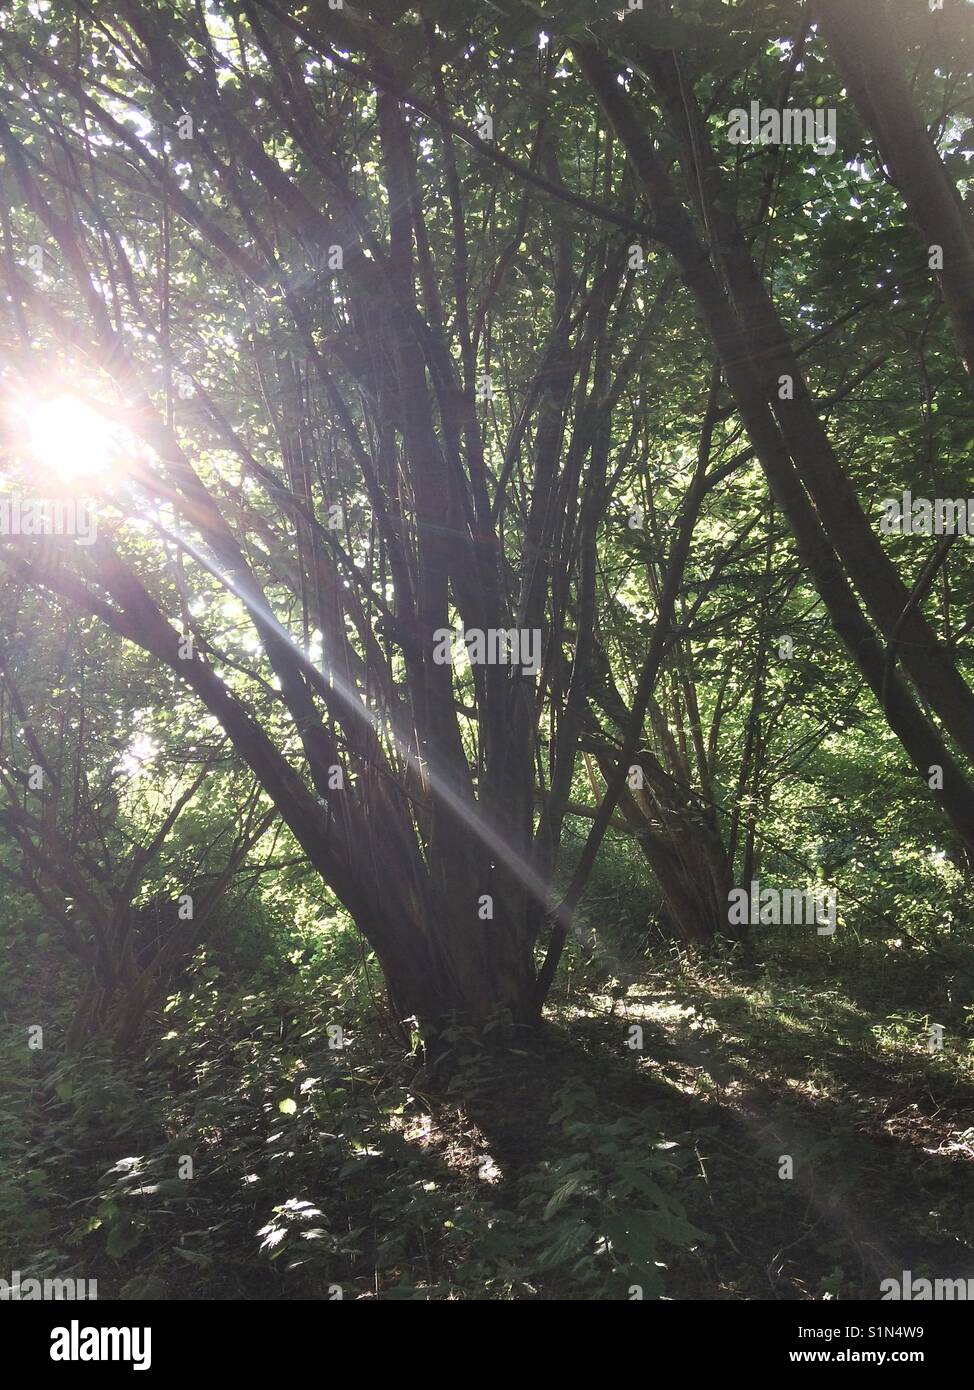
pixel 123 1237
pixel 561 1196
pixel 572 1237
pixel 632 1235
pixel 193 1257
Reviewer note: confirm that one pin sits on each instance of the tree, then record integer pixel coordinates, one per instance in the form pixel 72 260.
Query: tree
pixel 415 792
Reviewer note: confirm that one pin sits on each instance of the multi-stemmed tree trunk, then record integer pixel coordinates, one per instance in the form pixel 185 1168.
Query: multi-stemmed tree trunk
pixel 410 787
pixel 69 847
pixel 353 437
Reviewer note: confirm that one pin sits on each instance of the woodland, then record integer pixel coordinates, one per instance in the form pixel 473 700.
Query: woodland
pixel 487 648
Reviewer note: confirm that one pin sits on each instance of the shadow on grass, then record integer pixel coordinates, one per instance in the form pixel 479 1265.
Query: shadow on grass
pixel 878 1133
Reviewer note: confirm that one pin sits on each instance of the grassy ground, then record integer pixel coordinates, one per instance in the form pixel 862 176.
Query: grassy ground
pixel 757 1065
pixel 572 1166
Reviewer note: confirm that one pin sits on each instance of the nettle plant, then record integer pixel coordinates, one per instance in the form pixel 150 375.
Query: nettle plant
pixel 604 1216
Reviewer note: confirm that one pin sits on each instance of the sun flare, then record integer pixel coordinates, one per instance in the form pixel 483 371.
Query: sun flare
pixel 71 439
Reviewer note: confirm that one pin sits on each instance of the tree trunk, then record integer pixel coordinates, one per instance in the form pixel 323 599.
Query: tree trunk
pixel 861 44
pixel 675 229
pixel 772 357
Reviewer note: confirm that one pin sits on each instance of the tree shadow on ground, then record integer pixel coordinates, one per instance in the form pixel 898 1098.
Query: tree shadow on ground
pixel 881 1177
pixel 415 1180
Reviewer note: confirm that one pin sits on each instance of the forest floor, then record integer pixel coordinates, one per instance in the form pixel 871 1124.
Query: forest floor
pixel 574 1166
pixel 752 1067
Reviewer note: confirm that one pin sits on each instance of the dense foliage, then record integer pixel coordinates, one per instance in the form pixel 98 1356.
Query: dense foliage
pixel 445 477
